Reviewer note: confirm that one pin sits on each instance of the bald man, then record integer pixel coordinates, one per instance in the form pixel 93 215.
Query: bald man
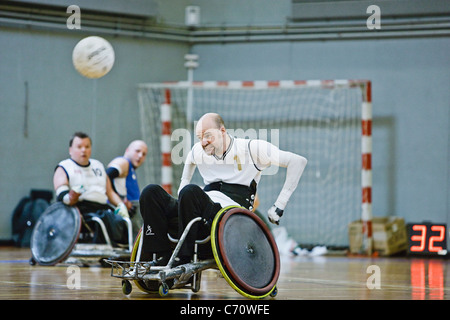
pixel 231 170
pixel 122 173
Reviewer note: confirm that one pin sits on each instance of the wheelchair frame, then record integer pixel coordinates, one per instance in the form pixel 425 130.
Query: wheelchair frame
pixel 87 253
pixel 183 276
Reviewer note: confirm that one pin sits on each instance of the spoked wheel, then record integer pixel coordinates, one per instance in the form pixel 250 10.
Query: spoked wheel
pixel 245 252
pixel 55 234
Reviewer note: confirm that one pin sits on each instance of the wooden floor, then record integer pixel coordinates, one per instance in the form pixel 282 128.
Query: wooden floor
pixel 301 278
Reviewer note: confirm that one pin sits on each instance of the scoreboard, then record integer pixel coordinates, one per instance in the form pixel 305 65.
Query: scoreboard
pixel 427 238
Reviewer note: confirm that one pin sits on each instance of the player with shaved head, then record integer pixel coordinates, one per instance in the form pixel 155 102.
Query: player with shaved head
pixel 231 170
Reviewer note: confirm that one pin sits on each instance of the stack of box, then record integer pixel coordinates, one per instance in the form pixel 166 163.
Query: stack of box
pixel 389 235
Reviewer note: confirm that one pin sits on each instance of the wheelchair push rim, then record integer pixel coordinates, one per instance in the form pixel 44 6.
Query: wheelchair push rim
pixel 245 252
pixel 55 234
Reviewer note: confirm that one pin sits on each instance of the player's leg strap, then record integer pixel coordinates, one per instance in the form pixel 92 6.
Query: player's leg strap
pixel 244 195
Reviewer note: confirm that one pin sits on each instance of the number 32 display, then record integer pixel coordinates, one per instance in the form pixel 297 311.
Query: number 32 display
pixel 427 238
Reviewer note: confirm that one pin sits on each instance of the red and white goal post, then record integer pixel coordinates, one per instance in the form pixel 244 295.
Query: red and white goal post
pixel 329 122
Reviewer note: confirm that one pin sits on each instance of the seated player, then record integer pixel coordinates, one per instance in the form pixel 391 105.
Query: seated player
pixel 231 169
pixel 82 181
pixel 122 173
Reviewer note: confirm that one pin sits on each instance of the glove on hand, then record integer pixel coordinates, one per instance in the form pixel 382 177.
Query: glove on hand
pixel 122 210
pixel 275 214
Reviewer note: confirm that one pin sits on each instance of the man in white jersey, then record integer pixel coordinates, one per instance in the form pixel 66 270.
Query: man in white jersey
pixel 231 169
pixel 83 181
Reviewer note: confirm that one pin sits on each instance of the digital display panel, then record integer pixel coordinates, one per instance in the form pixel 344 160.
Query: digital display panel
pixel 427 238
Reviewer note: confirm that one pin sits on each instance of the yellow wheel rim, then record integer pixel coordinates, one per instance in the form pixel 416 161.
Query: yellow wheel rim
pixel 139 283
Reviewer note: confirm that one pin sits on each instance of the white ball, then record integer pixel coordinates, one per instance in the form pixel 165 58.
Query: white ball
pixel 93 57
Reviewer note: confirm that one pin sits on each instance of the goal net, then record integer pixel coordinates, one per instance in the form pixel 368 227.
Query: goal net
pixel 324 121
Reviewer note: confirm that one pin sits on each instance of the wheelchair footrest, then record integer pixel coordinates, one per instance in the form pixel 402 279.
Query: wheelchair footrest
pixel 131 270
pixel 128 270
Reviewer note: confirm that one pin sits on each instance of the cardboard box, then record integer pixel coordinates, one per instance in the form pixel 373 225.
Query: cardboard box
pixel 389 235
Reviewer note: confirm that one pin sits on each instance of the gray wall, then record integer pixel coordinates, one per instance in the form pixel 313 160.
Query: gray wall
pixel 411 106
pixel 409 71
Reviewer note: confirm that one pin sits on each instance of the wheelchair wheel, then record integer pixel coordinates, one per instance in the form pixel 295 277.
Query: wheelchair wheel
pixel 55 234
pixel 245 252
pixel 151 287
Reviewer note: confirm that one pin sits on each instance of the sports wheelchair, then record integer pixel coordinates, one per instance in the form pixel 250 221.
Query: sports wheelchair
pixel 244 251
pixel 63 234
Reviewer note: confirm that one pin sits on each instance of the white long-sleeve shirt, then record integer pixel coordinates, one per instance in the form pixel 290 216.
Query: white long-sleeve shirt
pixel 242 163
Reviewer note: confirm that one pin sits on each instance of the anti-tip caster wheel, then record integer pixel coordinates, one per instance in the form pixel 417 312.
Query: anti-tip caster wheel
pixel 163 289
pixel 126 287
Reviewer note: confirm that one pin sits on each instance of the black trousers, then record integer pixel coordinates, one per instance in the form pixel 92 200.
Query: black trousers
pixel 115 225
pixel 164 214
